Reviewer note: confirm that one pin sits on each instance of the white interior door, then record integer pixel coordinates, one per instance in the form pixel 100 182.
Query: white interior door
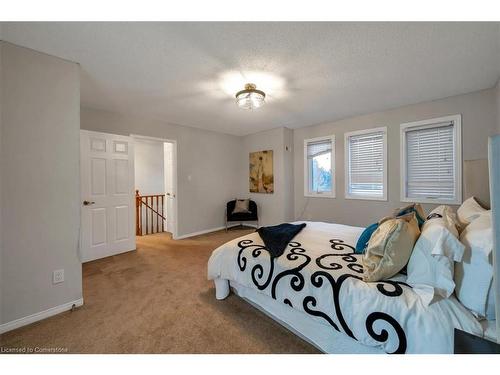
pixel 170 192
pixel 108 199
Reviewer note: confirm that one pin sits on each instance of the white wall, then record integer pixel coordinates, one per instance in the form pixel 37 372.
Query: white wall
pixel 149 167
pixel 498 106
pixel 40 197
pixel 478 122
pixel 208 165
pixel 202 151
pixel 1 246
pixel 288 184
pixel 149 170
pixel 277 207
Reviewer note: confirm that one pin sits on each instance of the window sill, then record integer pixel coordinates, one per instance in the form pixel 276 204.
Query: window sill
pixel 313 195
pixel 366 198
pixel 457 202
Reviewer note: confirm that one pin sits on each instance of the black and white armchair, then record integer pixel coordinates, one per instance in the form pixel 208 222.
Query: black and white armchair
pixel 241 216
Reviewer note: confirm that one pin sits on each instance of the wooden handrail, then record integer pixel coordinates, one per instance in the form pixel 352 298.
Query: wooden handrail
pixel 147 202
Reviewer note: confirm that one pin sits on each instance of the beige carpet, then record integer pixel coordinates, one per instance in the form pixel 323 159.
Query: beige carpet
pixel 157 300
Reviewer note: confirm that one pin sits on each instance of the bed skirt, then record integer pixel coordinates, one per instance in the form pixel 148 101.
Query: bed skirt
pixel 320 335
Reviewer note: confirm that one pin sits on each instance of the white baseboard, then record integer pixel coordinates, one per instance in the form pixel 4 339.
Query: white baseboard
pixel 181 237
pixel 210 231
pixel 9 326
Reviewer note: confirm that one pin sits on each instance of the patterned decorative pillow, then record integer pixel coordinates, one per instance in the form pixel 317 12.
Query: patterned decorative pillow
pixel 241 206
pixel 390 247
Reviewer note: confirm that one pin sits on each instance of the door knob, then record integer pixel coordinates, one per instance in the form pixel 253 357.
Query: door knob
pixel 87 203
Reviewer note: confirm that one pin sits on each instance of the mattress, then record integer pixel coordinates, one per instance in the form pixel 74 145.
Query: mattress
pixel 320 276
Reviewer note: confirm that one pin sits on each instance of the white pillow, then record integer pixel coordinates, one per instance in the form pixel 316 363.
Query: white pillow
pixel 431 266
pixel 449 216
pixel 474 274
pixel 469 211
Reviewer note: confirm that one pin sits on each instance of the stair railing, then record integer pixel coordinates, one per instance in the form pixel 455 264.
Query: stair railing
pixel 149 213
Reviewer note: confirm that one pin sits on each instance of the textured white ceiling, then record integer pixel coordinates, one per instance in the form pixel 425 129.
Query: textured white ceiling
pixel 187 73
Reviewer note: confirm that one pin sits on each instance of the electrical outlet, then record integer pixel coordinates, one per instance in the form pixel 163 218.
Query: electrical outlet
pixel 57 276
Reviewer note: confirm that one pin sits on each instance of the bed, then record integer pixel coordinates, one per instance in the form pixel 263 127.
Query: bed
pixel 316 290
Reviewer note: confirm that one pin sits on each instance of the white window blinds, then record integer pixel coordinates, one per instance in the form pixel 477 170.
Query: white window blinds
pixel 366 162
pixel 430 162
pixel 317 148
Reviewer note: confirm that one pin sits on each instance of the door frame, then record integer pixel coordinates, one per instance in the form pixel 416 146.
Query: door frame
pixel 174 173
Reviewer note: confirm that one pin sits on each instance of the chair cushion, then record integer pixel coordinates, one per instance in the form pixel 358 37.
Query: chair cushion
pixel 242 217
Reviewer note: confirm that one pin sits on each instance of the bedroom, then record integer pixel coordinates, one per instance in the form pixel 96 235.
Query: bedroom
pixel 379 136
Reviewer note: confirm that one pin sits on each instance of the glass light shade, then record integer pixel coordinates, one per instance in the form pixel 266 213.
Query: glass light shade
pixel 250 98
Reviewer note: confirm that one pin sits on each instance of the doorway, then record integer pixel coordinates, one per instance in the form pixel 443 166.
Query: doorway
pixel 109 190
pixel 155 185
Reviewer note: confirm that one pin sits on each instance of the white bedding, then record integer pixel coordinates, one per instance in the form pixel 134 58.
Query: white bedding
pixel 318 274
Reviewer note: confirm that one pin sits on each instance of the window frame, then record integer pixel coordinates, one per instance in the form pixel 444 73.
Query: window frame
pixel 457 155
pixel 312 194
pixel 347 159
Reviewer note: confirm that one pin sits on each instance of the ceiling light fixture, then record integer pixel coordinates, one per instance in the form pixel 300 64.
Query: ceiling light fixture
pixel 250 98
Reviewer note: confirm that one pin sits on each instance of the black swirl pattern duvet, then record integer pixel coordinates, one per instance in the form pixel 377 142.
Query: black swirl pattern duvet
pixel 319 274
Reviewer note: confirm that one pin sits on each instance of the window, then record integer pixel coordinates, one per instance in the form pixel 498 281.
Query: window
pixel 366 164
pixel 319 161
pixel 431 161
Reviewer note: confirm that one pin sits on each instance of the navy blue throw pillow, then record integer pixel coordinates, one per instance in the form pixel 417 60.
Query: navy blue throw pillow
pixel 365 237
